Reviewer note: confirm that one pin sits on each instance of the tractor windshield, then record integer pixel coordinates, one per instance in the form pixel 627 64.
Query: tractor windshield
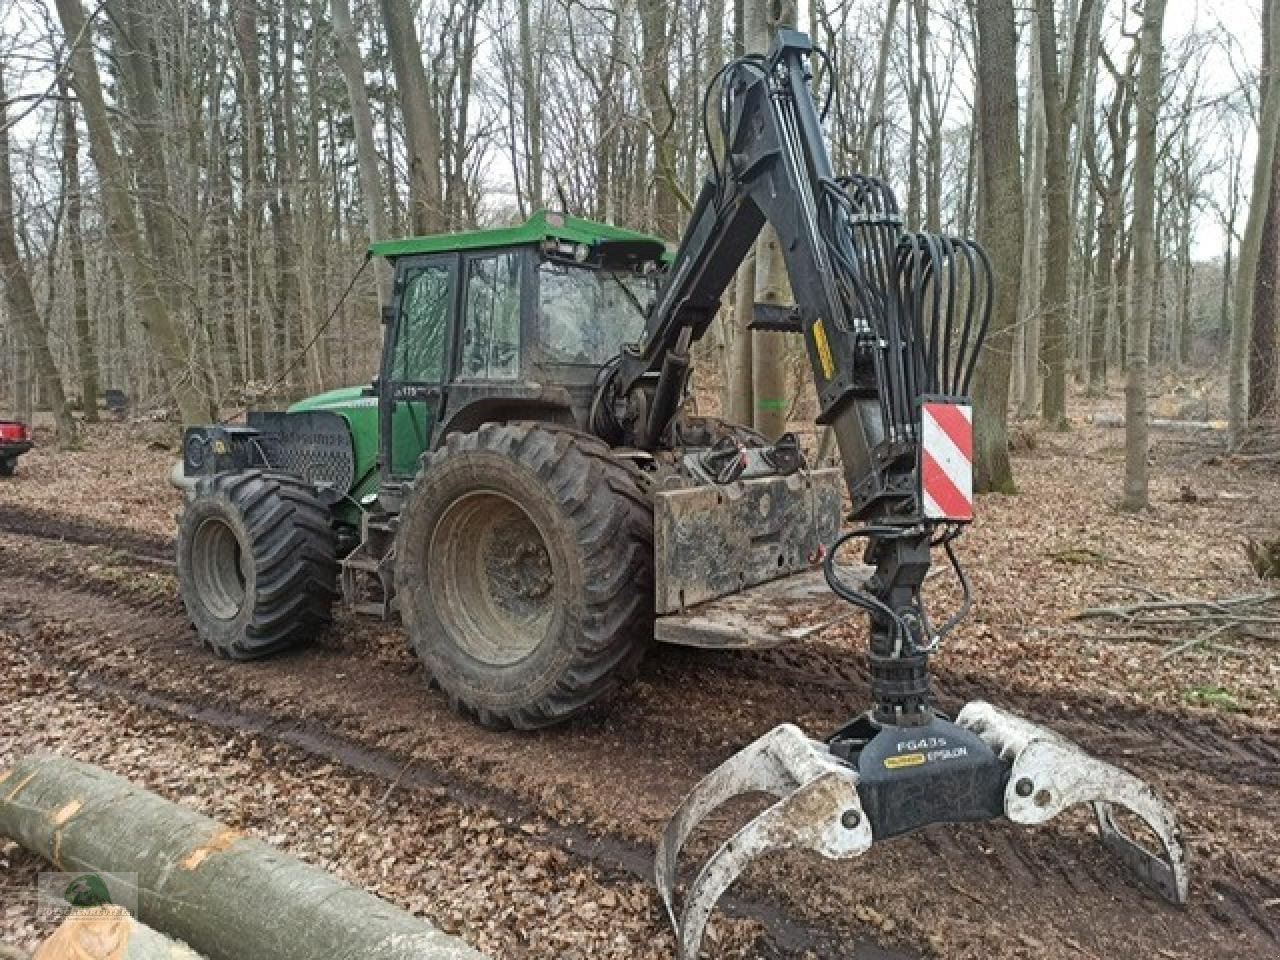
pixel 587 314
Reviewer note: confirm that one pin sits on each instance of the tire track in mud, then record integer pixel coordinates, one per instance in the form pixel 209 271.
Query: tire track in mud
pixel 1056 865
pixel 44 525
pixel 826 674
pixel 825 677
pixel 612 855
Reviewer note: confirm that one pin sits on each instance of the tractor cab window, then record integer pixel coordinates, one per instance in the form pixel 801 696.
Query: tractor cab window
pixel 424 311
pixel 491 334
pixel 587 314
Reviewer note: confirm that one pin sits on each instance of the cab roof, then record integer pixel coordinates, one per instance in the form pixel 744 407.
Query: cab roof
pixel 542 225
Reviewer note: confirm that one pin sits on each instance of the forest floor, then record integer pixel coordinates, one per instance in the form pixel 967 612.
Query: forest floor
pixel 539 845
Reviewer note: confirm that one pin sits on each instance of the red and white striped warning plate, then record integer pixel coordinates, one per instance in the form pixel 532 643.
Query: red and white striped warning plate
pixel 946 460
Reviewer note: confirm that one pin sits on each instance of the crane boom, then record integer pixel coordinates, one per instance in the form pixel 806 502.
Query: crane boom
pixel 892 323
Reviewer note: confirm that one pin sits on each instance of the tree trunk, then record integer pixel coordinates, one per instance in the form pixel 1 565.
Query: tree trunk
pixel 20 299
pixel 170 344
pixel 226 895
pixel 1251 242
pixel 421 122
pixel 769 351
pixel 86 345
pixel 1032 241
pixel 1266 301
pixel 655 30
pixel 85 933
pixel 1000 223
pixel 1223 333
pixel 347 53
pixel 1142 289
pixel 768 354
pixel 875 110
pixel 531 94
pixel 149 142
pixel 1059 110
pixel 739 394
pixel 1110 274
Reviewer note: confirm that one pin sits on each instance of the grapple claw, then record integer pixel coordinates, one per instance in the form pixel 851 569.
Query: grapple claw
pixel 818 810
pixel 1050 773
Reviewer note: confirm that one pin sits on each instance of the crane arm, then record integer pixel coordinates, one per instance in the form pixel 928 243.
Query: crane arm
pixel 888 318
pixel 892 323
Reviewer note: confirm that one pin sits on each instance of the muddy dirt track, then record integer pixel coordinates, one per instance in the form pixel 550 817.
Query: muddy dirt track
pixel 97 604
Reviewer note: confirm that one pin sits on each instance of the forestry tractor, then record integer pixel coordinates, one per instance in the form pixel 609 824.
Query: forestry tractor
pixel 521 485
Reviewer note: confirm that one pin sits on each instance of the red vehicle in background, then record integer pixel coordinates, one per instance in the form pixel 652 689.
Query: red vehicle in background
pixel 15 440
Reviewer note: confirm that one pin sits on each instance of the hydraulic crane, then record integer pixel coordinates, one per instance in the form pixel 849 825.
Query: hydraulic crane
pixel 893 322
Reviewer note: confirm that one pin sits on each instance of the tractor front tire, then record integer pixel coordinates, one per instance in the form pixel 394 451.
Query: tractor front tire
pixel 257 563
pixel 524 572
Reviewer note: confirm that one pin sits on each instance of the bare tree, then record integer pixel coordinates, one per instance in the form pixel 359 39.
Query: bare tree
pixel 86 352
pixel 170 343
pixel 421 121
pixel 1266 296
pixel 1251 242
pixel 1060 114
pixel 1147 105
pixel 1000 230
pixel 17 288
pixel 347 52
pixel 1110 190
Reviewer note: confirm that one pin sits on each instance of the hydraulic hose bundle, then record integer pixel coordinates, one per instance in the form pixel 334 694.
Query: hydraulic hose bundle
pixel 923 299
pixel 921 302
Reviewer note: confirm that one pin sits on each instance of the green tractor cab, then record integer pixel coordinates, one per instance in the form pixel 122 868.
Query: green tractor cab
pixel 469 489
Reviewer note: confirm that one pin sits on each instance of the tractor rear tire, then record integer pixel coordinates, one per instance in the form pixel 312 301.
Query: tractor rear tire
pixel 524 572
pixel 257 563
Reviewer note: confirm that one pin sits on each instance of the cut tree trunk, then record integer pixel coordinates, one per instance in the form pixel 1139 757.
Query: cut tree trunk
pixel 226 895
pixel 109 932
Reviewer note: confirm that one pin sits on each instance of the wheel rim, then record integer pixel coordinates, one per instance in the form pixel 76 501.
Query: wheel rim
pixel 217 569
pixel 492 581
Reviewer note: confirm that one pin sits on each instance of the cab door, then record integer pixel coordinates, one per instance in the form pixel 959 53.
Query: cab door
pixel 415 361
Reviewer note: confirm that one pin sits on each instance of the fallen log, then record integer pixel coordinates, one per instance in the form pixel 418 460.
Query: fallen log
pixel 1158 423
pixel 226 895
pixel 109 932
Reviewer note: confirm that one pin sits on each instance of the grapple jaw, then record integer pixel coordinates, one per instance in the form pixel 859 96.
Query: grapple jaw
pixel 1049 773
pixel 987 764
pixel 819 809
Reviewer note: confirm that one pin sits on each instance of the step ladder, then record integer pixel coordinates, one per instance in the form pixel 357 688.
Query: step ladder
pixel 373 560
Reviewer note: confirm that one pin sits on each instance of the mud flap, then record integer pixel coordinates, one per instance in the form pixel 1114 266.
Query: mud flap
pixel 714 540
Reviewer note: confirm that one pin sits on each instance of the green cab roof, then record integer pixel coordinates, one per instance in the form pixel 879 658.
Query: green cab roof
pixel 542 225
